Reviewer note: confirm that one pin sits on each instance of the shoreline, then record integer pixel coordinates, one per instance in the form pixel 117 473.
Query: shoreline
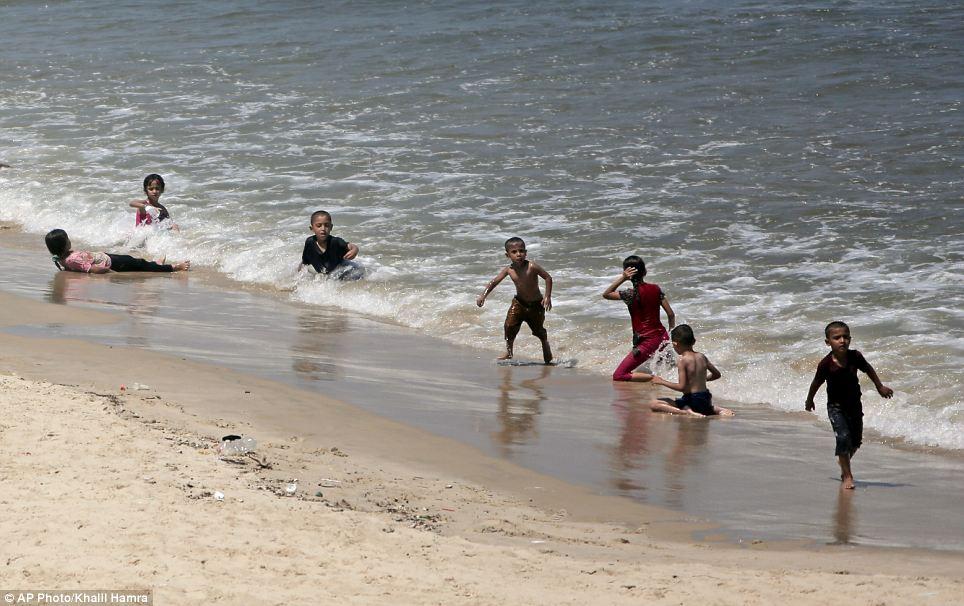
pixel 13 237
pixel 581 434
pixel 136 473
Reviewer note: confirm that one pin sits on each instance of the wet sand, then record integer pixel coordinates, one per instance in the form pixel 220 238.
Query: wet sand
pixel 764 475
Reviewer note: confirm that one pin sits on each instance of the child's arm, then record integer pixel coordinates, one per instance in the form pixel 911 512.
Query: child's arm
pixel 814 386
pixel 610 292
pixel 547 300
pixel 681 368
pixel 714 372
pixel 491 286
pixel 883 390
pixel 352 252
pixel 670 316
pixel 304 256
pixel 162 214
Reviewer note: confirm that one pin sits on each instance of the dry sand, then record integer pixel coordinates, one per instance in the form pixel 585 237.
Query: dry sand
pixel 103 488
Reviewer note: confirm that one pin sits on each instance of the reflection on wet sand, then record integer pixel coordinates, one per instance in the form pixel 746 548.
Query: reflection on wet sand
pixel 643 437
pixel 144 298
pixel 61 288
pixel 316 346
pixel 519 408
pixel 633 446
pixel 145 302
pixel 844 518
pixel 68 286
pixel 688 452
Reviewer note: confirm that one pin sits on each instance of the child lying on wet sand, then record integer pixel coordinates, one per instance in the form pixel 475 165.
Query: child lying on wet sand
pixel 100 262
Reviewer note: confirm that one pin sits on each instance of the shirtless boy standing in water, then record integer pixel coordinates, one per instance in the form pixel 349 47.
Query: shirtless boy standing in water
pixel 528 305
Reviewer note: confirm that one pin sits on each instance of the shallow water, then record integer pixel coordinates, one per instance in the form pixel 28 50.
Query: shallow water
pixel 777 166
pixel 762 475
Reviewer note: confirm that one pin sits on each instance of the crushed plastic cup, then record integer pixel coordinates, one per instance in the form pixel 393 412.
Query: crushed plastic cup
pixel 219 496
pixel 140 387
pixel 291 489
pixel 237 445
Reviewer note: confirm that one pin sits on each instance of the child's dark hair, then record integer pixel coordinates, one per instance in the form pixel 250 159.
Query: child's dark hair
pixel 636 262
pixel 319 213
pixel 56 241
pixel 151 178
pixel 683 335
pixel 833 325
pixel 512 241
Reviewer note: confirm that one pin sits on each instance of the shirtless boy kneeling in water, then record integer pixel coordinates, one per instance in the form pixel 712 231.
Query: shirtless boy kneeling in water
pixel 528 305
pixel 693 366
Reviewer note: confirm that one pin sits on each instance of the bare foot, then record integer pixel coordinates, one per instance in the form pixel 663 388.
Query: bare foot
pixel 505 356
pixel 181 266
pixel 846 476
pixel 725 412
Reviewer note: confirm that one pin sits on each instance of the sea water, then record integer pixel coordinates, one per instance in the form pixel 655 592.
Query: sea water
pixel 777 165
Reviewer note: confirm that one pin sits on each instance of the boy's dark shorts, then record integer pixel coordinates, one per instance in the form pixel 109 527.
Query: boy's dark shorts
pixel 700 401
pixel 532 313
pixel 848 425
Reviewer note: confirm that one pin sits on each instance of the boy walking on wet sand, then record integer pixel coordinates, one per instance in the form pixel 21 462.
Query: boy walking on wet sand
pixel 693 366
pixel 528 304
pixel 839 369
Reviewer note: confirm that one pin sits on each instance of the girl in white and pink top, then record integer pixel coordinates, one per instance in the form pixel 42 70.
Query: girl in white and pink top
pixel 151 210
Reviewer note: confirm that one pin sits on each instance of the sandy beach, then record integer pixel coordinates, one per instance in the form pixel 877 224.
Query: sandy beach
pixel 120 488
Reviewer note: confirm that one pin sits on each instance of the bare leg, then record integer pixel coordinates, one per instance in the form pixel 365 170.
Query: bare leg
pixel 510 334
pixel 663 405
pixel 546 352
pixel 846 476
